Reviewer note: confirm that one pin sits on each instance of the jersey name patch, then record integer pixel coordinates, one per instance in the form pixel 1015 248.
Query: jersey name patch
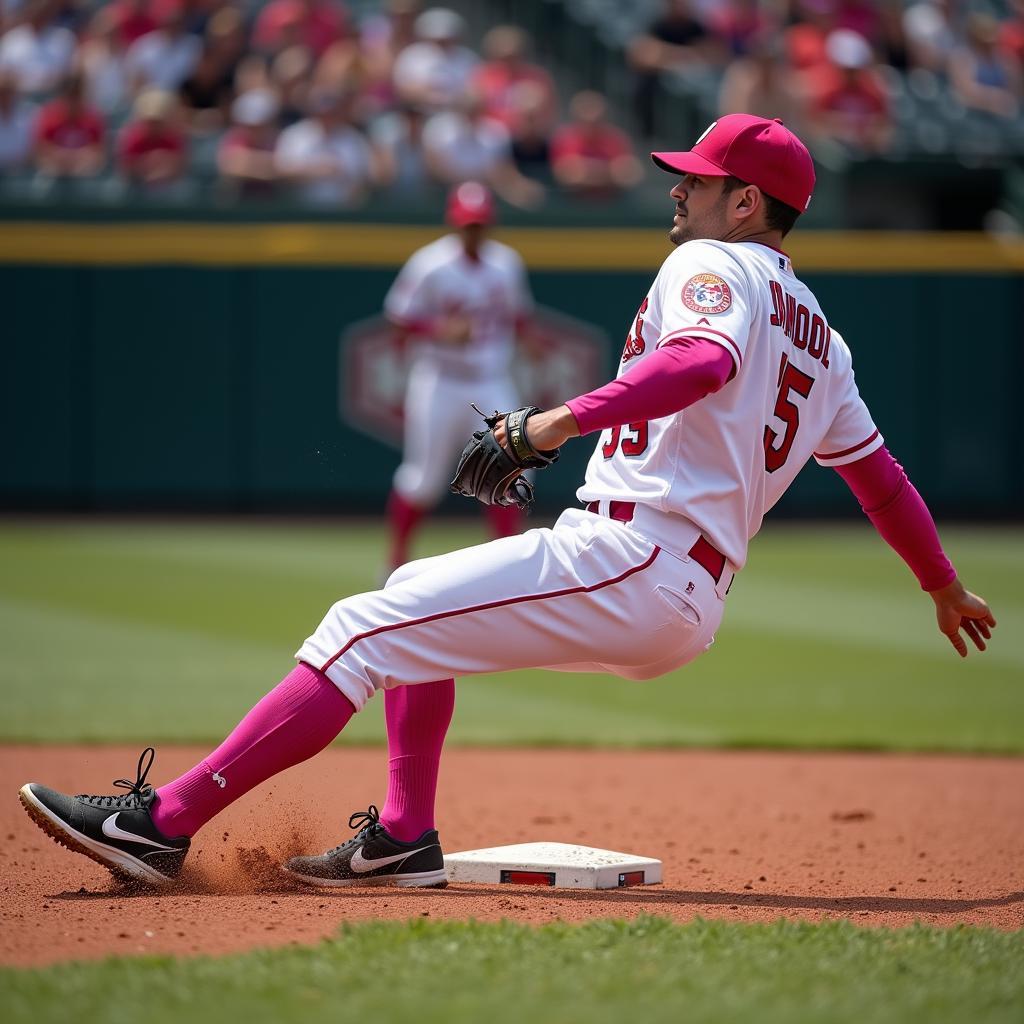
pixel 707 293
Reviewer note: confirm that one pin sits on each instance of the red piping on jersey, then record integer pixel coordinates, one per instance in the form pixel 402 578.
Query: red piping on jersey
pixel 413 326
pixel 492 604
pixel 848 451
pixel 703 332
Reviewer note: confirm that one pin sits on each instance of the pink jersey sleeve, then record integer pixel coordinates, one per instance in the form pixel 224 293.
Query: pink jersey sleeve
pixel 900 516
pixel 667 381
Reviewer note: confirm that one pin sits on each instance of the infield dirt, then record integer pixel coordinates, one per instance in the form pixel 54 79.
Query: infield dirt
pixel 878 839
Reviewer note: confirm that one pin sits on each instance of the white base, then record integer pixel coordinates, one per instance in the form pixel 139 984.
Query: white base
pixel 561 865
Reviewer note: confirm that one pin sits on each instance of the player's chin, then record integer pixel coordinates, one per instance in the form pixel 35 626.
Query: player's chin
pixel 678 235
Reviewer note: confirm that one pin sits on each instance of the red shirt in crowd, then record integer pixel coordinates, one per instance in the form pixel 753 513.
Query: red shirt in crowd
pixel 317 27
pixel 1011 38
pixel 138 139
pixel 132 22
pixel 58 126
pixel 498 85
pixel 604 143
pixel 861 100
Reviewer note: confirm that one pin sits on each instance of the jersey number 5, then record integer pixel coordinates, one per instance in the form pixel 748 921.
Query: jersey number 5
pixel 634 443
pixel 790 380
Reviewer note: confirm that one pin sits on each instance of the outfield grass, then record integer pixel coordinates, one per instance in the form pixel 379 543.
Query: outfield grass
pixel 646 970
pixel 148 632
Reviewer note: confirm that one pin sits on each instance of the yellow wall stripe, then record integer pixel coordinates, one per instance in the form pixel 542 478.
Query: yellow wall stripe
pixel 388 245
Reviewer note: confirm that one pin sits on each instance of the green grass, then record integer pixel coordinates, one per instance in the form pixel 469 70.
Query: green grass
pixel 148 632
pixel 646 970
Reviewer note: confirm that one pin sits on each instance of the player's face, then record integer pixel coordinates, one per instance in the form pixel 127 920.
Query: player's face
pixel 700 211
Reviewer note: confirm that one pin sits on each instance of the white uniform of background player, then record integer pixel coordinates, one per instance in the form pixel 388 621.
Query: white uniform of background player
pixel 460 299
pixel 638 598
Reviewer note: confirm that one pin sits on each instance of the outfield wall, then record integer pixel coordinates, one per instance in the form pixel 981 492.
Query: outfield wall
pixel 177 365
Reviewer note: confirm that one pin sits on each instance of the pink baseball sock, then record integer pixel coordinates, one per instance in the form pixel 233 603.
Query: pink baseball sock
pixel 417 719
pixel 296 720
pixel 403 517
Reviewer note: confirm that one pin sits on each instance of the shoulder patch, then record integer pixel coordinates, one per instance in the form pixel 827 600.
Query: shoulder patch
pixel 707 293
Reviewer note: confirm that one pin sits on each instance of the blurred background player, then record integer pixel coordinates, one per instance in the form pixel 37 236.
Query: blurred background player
pixel 459 302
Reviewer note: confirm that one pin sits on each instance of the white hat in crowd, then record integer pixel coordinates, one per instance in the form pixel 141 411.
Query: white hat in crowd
pixel 848 49
pixel 255 107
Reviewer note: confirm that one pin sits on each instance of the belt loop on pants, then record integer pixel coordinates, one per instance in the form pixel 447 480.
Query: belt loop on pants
pixel 703 552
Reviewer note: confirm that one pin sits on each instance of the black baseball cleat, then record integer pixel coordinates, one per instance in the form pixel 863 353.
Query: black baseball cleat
pixel 372 857
pixel 115 831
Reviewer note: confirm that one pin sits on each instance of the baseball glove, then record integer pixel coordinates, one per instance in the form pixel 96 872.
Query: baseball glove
pixel 492 474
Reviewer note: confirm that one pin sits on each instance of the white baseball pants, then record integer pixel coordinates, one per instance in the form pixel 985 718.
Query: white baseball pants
pixel 438 422
pixel 589 594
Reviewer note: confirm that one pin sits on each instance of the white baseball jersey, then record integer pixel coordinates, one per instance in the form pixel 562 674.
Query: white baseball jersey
pixel 440 280
pixel 726 460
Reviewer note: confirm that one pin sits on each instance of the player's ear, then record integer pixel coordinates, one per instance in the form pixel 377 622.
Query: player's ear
pixel 747 201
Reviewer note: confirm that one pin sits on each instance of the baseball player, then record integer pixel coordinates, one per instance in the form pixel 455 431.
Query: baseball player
pixel 459 301
pixel 732 378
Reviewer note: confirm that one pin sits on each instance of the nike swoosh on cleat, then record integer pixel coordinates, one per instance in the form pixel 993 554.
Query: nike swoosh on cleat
pixel 110 829
pixel 360 864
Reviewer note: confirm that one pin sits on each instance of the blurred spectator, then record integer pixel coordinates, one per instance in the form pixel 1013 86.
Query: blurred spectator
pixel 501 79
pixel 315 24
pixel 805 39
pixel 676 41
pixel 195 14
pixel 590 157
pixel 164 58
pixel 531 140
pixel 382 38
pixel 739 24
pixel 290 77
pixel 931 36
pixel 1011 32
pixel 38 51
pixel 892 41
pixel 132 18
pixel 245 159
pixel 848 100
pixel 102 59
pixel 464 144
pixel 437 70
pixel 69 134
pixel 17 118
pixel 984 77
pixel 152 150
pixel 207 93
pixel 763 84
pixel 860 16
pixel 325 156
pixel 398 138
pixel 341 68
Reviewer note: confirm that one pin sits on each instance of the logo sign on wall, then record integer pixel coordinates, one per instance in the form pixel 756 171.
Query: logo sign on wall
pixel 563 357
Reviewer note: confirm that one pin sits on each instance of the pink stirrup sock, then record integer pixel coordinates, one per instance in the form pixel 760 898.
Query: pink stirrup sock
pixel 403 518
pixel 504 520
pixel 296 720
pixel 417 719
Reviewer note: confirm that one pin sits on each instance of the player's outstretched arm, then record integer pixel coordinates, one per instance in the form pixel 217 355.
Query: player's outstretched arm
pixel 902 519
pixel 958 609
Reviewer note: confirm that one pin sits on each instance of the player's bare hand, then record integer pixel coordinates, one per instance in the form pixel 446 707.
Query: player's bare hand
pixel 546 430
pixel 956 610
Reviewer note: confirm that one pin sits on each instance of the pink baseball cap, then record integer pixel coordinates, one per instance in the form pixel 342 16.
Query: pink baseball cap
pixel 470 203
pixel 762 152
